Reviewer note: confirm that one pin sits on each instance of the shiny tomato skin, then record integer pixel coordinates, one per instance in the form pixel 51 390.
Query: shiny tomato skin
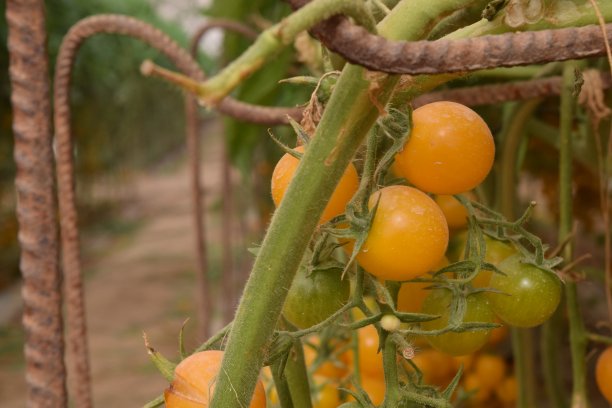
pixel 603 373
pixel 408 235
pixel 313 298
pixel 457 344
pixel 529 295
pixel 346 188
pixel 450 149
pixel 194 382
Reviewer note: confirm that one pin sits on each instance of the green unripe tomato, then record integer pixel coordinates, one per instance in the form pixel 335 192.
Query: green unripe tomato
pixel 457 344
pixel 313 298
pixel 529 294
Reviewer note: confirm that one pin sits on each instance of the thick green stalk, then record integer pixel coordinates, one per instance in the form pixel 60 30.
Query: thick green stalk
pixel 347 119
pixel 522 341
pixel 578 340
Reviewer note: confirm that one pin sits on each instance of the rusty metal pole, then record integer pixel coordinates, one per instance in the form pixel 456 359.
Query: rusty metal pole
pixel 36 207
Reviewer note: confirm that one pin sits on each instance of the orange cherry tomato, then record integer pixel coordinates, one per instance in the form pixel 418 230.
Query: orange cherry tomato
pixel 506 392
pixel 194 382
pixel 603 373
pixel 374 386
pixel 465 361
pixel 450 149
pixel 490 369
pixel 335 367
pixel 473 384
pixel 455 213
pixel 437 368
pixel 412 294
pixel 346 188
pixel 408 235
pixel 370 360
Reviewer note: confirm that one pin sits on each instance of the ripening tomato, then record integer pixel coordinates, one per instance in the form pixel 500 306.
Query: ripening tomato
pixel 346 188
pixel 194 382
pixel 603 373
pixel 496 252
pixel 408 235
pixel 450 149
pixel 456 214
pixel 438 303
pixel 314 297
pixel 529 295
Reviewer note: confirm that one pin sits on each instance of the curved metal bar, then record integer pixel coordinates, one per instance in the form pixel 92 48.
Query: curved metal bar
pixel 376 53
pixel 504 92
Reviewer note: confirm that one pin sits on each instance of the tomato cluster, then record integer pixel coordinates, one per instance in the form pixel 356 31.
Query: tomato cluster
pixel 449 152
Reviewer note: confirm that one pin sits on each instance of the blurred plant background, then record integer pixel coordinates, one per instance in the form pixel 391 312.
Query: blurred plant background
pixel 121 121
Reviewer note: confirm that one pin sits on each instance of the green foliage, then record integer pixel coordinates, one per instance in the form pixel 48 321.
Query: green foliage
pixel 262 87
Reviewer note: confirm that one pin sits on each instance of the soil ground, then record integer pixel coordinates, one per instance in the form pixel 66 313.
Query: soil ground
pixel 139 280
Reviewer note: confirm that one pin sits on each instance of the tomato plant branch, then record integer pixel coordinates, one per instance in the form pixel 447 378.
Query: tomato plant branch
pixel 578 341
pixel 297 377
pixel 392 391
pixel 275 39
pixel 549 341
pixel 340 132
pixel 598 338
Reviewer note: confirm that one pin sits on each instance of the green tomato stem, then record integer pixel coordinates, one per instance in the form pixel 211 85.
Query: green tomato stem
pixel 578 341
pixel 392 390
pixel 550 338
pixel 282 386
pixel 297 377
pixel 598 338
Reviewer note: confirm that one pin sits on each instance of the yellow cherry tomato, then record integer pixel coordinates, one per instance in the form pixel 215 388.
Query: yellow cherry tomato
pixel 450 149
pixel 346 188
